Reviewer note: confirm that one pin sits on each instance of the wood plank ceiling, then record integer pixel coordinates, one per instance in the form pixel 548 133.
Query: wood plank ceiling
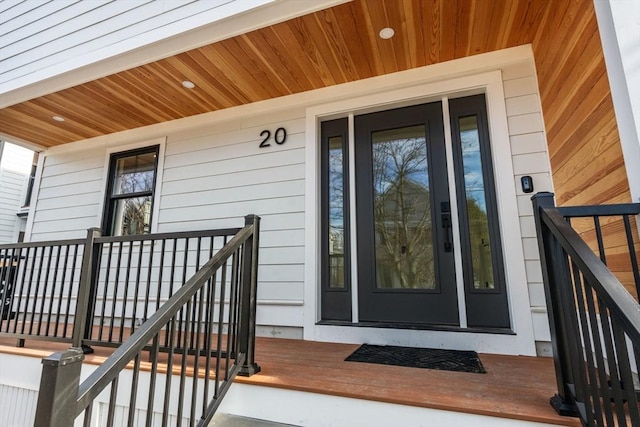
pixel 333 46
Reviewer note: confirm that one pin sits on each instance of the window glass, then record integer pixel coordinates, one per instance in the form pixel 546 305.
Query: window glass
pixel 336 213
pixel 130 200
pixel 474 187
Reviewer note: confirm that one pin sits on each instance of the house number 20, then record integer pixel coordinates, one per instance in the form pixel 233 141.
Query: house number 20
pixel 279 136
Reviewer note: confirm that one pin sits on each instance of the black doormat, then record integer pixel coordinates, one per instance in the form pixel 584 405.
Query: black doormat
pixel 427 358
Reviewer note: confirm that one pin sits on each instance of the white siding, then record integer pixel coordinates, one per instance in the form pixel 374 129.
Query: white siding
pixel 213 180
pixel 69 196
pixel 40 38
pixel 530 157
pixel 15 166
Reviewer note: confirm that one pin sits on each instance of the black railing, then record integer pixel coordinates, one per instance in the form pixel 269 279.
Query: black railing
pixel 135 275
pixel 39 285
pixel 109 285
pixel 195 343
pixel 594 320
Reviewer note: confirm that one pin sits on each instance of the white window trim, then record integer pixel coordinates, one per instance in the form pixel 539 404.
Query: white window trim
pixel 387 97
pixel 157 191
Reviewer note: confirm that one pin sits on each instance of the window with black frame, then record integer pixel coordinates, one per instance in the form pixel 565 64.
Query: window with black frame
pixel 129 200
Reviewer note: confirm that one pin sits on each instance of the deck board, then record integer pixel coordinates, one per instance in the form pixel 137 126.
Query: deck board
pixel 517 387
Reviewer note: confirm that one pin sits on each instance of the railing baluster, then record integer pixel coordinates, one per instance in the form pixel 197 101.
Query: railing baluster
pixel 61 294
pixel 112 401
pixel 105 292
pixel 134 390
pixel 34 299
pixel 88 413
pixel 211 299
pixel 152 379
pixel 196 357
pixel 134 314
pixel 67 313
pixel 160 274
pixel 145 313
pixel 632 255
pixel 125 298
pixel 169 374
pixel 116 287
pixel 53 290
pixel 598 230
pixel 44 291
pixel 183 365
pixel 173 269
pixel 22 290
pixel 604 391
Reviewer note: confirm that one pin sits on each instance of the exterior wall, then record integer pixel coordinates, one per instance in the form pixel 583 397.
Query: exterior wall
pixel 15 166
pixel 214 174
pixel 530 157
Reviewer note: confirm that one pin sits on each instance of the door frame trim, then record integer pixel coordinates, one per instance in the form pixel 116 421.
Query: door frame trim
pixel 398 92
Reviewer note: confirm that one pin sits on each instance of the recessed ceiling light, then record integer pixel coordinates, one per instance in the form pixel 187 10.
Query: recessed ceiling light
pixel 58 118
pixel 188 84
pixel 386 33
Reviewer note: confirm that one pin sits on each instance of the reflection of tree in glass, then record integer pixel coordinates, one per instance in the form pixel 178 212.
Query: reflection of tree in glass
pixel 337 277
pixel 404 250
pixel 135 216
pixel 336 198
pixel 135 175
pixel 480 246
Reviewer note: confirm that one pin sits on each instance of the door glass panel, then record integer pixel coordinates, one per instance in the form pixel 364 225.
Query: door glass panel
pixel 404 254
pixel 476 204
pixel 336 213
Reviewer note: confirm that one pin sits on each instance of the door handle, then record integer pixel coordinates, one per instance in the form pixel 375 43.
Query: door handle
pixel 445 216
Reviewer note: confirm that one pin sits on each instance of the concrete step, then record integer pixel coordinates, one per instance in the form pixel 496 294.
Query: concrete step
pixel 228 420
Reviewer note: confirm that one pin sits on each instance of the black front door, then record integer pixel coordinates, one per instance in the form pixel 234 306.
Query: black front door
pixel 406 270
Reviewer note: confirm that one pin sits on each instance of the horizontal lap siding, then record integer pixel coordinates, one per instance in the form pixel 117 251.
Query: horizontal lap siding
pixel 213 179
pixel 529 157
pixel 69 195
pixel 64 35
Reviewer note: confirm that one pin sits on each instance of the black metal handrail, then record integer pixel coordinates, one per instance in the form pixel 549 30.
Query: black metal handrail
pixel 218 343
pixel 594 321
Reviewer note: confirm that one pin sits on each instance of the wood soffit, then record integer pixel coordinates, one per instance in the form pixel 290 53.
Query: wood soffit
pixel 329 47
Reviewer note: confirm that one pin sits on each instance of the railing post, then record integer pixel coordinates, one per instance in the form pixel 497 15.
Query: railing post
pixel 59 384
pixel 86 291
pixel 550 260
pixel 247 329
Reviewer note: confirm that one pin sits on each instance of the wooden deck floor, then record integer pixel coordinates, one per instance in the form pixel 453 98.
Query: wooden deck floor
pixel 513 387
